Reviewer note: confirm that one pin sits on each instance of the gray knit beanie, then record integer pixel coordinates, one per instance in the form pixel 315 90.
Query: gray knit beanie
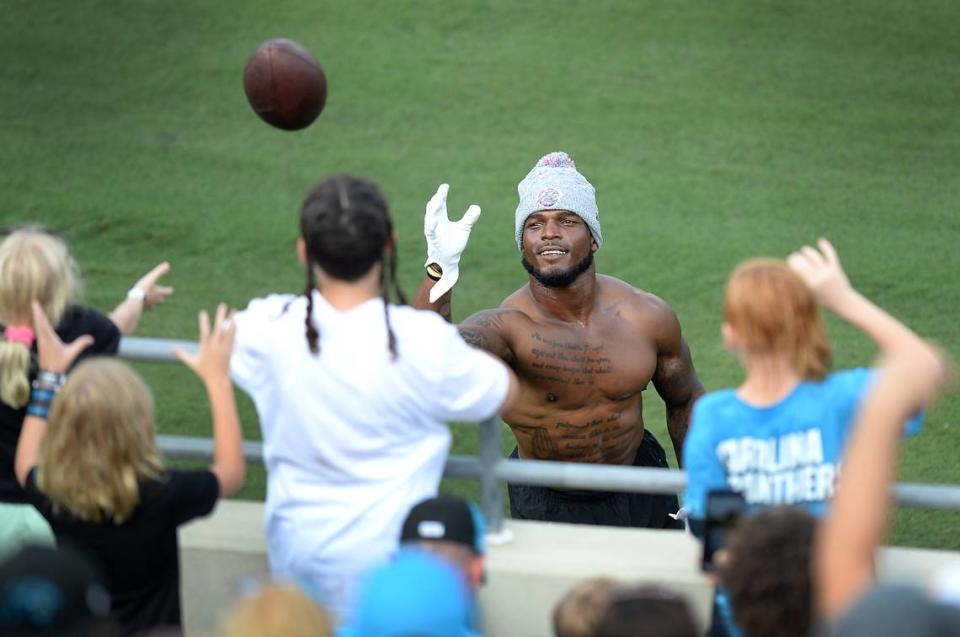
pixel 555 184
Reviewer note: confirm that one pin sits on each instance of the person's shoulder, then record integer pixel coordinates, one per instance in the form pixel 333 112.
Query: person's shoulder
pixel 633 299
pixel 171 483
pixel 181 477
pixel 717 402
pixel 406 317
pixel 271 302
pixel 78 320
pixel 643 310
pixel 852 381
pixel 714 414
pixel 186 493
pixel 519 304
pixel 424 337
pixel 74 313
pixel 516 308
pixel 272 306
pixel 519 298
pixel 519 308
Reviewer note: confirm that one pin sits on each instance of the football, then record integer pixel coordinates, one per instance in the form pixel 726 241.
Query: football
pixel 285 84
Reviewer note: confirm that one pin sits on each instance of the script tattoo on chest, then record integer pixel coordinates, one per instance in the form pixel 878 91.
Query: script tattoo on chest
pixel 584 440
pixel 567 362
pixel 577 441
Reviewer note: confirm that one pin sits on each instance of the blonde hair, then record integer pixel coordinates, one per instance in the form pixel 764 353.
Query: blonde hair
pixel 99 443
pixel 14 373
pixel 772 311
pixel 579 612
pixel 277 610
pixel 34 265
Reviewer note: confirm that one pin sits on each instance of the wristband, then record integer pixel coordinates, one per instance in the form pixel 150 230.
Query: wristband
pixel 49 380
pixel 138 295
pixel 38 410
pixel 45 388
pixel 434 272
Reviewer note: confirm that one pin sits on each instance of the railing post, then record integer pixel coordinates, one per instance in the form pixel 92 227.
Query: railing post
pixel 491 487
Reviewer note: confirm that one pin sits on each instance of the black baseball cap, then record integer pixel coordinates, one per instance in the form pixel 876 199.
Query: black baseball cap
pixel 445 518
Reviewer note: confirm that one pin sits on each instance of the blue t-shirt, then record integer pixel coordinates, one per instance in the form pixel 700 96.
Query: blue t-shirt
pixel 785 454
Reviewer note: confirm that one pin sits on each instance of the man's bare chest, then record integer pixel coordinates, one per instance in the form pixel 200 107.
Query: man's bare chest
pixel 610 361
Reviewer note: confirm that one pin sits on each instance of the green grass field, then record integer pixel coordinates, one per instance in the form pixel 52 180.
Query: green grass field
pixel 713 131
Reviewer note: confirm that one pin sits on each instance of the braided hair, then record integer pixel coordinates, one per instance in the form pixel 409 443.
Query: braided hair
pixel 346 226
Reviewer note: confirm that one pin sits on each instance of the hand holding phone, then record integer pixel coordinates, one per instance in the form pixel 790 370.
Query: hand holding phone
pixel 724 510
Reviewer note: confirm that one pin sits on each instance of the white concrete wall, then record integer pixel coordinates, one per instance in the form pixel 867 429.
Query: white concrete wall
pixel 220 556
pixel 529 575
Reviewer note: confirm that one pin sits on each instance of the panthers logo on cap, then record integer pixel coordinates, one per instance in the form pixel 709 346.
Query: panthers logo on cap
pixel 548 197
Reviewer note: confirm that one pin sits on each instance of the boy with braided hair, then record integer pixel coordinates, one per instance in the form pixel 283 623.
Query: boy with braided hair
pixel 353 393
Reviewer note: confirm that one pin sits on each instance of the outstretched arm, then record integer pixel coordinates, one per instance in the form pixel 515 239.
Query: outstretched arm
pixel 144 294
pixel 823 273
pixel 675 379
pixel 54 359
pixel 442 306
pixel 211 364
pixel 446 241
pixel 858 518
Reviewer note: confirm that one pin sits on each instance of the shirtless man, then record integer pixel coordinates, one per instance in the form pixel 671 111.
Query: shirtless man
pixel 584 347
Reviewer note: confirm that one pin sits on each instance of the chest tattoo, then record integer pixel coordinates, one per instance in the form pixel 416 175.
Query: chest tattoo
pixel 567 363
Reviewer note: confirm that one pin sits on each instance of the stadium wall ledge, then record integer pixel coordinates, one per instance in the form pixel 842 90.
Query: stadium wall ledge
pixel 530 566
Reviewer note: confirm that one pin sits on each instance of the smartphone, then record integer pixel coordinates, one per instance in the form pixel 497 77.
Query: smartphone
pixel 724 510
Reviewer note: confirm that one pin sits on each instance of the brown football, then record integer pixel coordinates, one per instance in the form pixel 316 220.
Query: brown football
pixel 284 84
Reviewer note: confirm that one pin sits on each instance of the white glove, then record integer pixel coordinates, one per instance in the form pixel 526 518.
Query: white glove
pixel 446 239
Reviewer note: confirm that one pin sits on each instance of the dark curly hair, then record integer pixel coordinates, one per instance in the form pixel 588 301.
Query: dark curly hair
pixel 346 226
pixel 768 573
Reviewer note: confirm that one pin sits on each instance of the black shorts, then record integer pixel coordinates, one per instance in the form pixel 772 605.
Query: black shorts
pixel 609 508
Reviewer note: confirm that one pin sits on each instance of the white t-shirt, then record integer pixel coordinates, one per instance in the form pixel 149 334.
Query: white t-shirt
pixel 351 438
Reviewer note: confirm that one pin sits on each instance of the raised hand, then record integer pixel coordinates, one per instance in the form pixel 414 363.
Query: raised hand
pixel 446 240
pixel 212 363
pixel 212 360
pixel 917 378
pixel 153 294
pixel 822 272
pixel 53 354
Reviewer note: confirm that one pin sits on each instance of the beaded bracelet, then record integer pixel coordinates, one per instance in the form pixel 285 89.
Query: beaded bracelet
pixel 49 379
pixel 45 388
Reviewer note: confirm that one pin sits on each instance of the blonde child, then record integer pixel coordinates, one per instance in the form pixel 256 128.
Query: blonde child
pixel 35 264
pixel 277 610
pixel 88 461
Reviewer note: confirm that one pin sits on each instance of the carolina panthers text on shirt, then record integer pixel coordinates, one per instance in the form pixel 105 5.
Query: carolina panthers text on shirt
pixel 788 469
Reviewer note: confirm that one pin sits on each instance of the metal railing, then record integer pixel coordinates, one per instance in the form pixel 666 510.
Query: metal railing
pixel 492 470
